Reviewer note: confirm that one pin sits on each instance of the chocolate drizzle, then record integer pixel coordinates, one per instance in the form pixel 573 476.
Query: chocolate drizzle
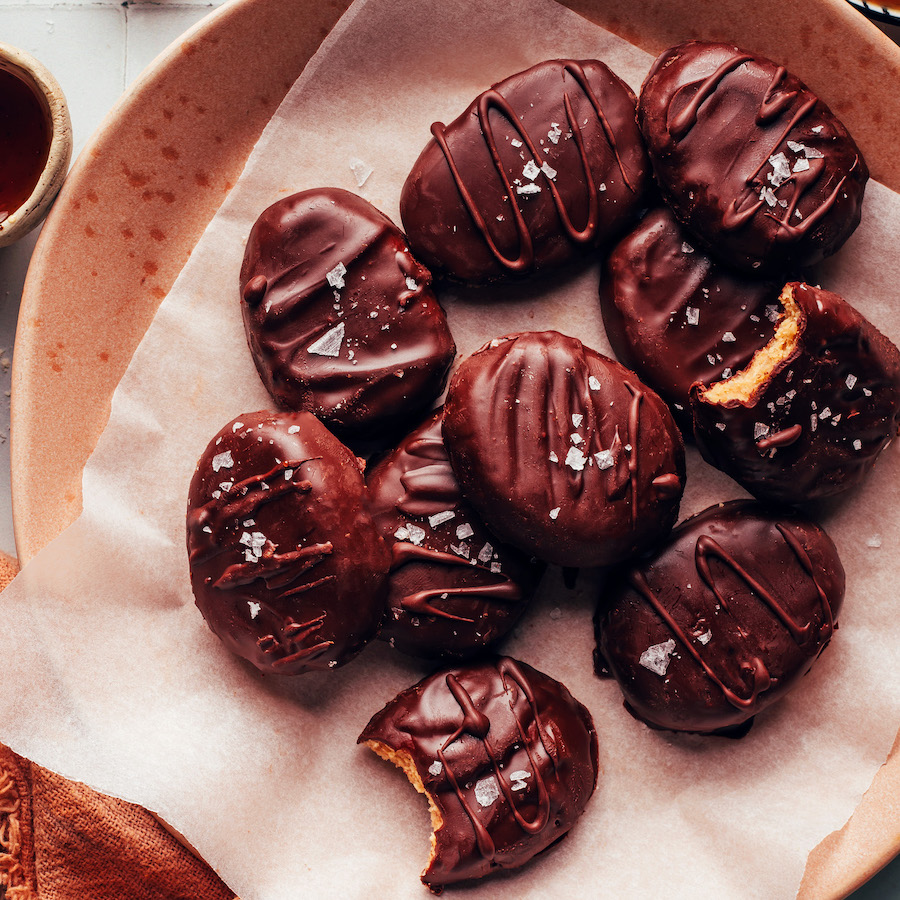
pixel 749 159
pixel 746 598
pixel 341 320
pixel 559 449
pixel 286 565
pixel 751 665
pixel 776 100
pixel 634 426
pixel 682 123
pixel 504 591
pixel 476 724
pixel 457 589
pixel 473 211
pixel 507 756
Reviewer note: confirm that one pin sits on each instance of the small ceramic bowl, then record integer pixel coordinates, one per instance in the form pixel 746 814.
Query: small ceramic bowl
pixel 52 106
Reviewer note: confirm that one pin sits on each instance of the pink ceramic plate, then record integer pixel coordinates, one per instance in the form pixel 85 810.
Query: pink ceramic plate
pixel 154 174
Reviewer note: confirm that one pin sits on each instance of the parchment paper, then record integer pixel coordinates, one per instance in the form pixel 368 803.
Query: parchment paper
pixel 112 677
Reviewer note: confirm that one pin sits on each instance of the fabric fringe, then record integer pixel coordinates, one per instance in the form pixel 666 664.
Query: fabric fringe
pixel 13 879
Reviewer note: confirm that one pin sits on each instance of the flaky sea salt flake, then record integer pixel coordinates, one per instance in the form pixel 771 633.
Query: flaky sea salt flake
pixel 330 342
pixel 575 459
pixel 487 791
pixel 336 276
pixel 656 657
pixel 781 169
pixel 554 512
pixel 464 531
pixel 223 460
pixel 604 459
pixel 361 170
pixel 517 779
pixel 416 534
pixel 441 517
pixel 531 171
pixel 485 553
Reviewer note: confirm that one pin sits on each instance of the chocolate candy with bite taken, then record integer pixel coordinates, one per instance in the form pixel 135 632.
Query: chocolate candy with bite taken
pixel 809 415
pixel 506 756
pixel 676 316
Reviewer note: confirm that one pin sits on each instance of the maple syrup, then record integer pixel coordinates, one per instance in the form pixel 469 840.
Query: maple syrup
pixel 24 142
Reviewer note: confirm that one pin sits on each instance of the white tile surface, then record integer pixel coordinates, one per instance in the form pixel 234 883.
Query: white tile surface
pixel 84 48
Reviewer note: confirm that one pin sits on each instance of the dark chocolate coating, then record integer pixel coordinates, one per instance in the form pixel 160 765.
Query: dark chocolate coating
pixel 340 318
pixel 817 425
pixel 286 565
pixel 564 453
pixel 454 588
pixel 542 167
pixel 676 316
pixel 749 158
pixel 505 753
pixel 723 619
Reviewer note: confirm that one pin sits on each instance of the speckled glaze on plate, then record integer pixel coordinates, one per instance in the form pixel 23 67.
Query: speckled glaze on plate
pixel 160 165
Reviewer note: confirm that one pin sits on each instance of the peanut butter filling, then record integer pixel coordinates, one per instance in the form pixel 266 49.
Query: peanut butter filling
pixel 404 761
pixel 743 386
